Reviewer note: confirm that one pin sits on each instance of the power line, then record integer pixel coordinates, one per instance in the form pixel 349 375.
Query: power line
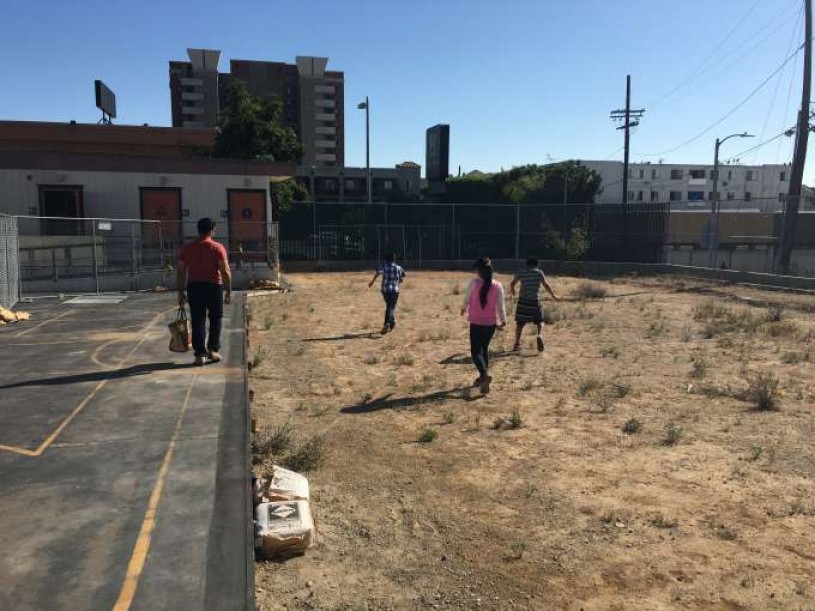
pixel 710 56
pixel 699 70
pixel 731 112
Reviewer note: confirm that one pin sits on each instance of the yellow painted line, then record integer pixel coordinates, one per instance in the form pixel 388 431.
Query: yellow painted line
pixel 137 560
pixel 43 323
pixel 74 412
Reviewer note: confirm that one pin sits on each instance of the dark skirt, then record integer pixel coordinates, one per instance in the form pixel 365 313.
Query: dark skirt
pixel 528 311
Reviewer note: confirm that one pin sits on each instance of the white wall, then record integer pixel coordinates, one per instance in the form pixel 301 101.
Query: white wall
pixel 116 194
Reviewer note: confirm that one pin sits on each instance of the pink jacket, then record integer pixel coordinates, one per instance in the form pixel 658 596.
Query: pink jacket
pixel 496 307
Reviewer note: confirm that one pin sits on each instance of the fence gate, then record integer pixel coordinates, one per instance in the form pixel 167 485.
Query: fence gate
pixel 9 262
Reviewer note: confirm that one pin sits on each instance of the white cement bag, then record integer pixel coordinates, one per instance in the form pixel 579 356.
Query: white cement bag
pixel 287 485
pixel 283 528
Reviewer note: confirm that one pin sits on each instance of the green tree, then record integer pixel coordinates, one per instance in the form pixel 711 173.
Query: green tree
pixel 251 128
pixel 288 192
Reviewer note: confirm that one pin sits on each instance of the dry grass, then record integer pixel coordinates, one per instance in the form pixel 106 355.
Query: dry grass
pixel 618 465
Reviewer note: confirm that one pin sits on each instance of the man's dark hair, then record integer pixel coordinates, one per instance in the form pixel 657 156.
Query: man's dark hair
pixel 390 257
pixel 205 225
pixel 532 262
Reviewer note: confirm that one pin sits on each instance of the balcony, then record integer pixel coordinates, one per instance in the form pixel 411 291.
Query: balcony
pixel 192 110
pixel 329 89
pixel 191 95
pixel 329 117
pixel 325 157
pixel 326 144
pixel 325 104
pixel 192 82
pixel 192 124
pixel 326 131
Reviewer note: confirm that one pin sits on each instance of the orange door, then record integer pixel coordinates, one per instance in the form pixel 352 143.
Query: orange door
pixel 247 225
pixel 162 205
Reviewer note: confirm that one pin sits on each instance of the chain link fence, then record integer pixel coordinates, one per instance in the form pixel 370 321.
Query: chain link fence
pixel 741 234
pixel 9 262
pixel 109 254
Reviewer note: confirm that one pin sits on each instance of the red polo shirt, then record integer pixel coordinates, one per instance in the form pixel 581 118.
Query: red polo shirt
pixel 202 258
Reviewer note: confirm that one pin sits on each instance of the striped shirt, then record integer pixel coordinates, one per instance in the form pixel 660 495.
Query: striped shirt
pixel 392 275
pixel 531 279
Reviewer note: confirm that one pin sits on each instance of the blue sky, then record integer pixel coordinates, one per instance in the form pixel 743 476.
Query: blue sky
pixel 523 81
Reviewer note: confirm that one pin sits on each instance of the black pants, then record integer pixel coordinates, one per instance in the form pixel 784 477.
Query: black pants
pixel 205 299
pixel 390 307
pixel 480 338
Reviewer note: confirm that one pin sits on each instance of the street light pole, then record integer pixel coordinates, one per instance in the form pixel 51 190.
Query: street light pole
pixel 366 105
pixel 715 205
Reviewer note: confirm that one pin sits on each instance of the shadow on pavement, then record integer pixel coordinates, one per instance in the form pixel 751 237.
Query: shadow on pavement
pixel 390 402
pixel 98 376
pixel 466 359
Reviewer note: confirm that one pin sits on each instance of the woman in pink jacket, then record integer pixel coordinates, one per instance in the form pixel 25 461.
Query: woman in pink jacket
pixel 485 308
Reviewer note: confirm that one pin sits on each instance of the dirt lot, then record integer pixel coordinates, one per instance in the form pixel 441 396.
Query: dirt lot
pixel 706 502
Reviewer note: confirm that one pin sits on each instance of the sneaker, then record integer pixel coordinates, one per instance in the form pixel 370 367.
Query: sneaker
pixel 539 341
pixel 214 356
pixel 200 361
pixel 485 385
pixel 516 348
pixel 385 330
pixel 477 383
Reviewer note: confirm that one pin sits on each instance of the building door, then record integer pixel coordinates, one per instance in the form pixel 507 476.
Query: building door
pixel 247 225
pixel 164 205
pixel 61 203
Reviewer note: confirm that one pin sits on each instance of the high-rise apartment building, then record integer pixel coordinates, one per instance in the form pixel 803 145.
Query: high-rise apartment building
pixel 194 89
pixel 313 99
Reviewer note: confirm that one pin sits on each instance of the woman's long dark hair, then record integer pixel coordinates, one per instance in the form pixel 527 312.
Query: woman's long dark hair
pixel 484 267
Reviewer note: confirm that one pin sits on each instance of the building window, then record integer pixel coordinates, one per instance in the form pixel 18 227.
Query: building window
pixel 631 173
pixel 697 174
pixel 407 185
pixel 676 175
pixel 731 196
pixel 676 196
pixel 783 177
pixel 388 185
pixel 654 174
pixel 749 175
pixel 654 196
pixel 729 174
pixel 350 184
pixel 748 196
pixel 630 196
pixel 696 196
pixel 642 174
pixel 639 196
pixel 782 197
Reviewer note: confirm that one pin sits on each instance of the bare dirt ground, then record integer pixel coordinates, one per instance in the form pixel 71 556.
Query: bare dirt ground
pixel 709 505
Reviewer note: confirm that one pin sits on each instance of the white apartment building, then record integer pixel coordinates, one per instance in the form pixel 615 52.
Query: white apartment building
pixel 762 187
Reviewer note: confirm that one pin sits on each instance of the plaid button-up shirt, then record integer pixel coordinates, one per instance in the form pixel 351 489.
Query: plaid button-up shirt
pixel 392 275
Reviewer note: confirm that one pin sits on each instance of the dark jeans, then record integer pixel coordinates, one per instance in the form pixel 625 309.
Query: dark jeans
pixel 390 306
pixel 205 299
pixel 480 338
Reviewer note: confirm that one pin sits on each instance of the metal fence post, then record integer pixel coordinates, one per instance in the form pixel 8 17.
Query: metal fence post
pixel 95 256
pixel 518 230
pixel 133 266
pixel 452 236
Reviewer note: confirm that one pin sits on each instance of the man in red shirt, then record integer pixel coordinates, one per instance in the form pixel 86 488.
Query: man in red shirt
pixel 203 269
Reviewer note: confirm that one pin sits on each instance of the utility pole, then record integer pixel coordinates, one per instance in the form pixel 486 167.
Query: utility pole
pixel 715 203
pixel 790 218
pixel 630 118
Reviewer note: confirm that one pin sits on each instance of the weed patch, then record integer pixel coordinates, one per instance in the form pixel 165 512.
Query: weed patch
pixel 590 290
pixel 632 427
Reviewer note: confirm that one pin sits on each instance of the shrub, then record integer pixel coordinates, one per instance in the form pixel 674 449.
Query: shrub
pixel 371 359
pixel 587 386
pixel 404 359
pixel 618 391
pixel 775 314
pixel 699 370
pixel 590 290
pixel 514 420
pixel 449 418
pixel 673 432
pixel 428 435
pixel 632 427
pixel 763 392
pixel 308 457
pixel 612 352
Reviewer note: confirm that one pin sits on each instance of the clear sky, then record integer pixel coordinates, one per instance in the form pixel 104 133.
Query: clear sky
pixel 519 81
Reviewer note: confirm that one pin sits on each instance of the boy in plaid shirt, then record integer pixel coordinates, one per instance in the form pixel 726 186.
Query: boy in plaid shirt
pixel 392 276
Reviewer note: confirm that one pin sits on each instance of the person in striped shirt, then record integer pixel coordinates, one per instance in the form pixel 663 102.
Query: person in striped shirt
pixel 529 309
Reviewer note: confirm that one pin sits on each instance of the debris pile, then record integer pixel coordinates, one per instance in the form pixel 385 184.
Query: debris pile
pixel 7 316
pixel 264 284
pixel 283 522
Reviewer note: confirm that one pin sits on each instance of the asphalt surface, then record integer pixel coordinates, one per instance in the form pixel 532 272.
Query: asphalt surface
pixel 123 469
